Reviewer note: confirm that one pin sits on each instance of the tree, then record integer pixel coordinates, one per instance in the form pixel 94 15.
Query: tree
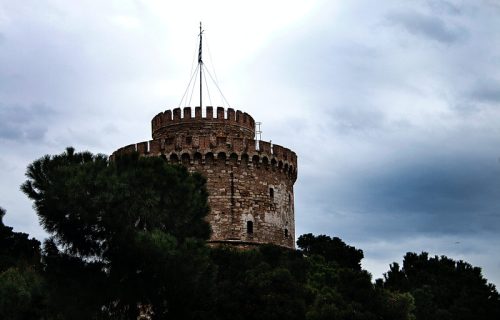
pixel 332 249
pixel 264 283
pixel 443 288
pixel 16 249
pixel 22 290
pixel 128 232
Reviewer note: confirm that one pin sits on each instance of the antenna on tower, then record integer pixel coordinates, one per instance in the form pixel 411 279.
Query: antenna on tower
pixel 258 135
pixel 258 132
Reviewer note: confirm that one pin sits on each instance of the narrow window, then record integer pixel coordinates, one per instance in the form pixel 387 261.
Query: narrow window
pixel 249 227
pixel 286 233
pixel 271 193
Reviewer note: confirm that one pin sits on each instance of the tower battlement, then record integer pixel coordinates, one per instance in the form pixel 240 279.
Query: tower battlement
pixel 228 121
pixel 250 182
pixel 208 150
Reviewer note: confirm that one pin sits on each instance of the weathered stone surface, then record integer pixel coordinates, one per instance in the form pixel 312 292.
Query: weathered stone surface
pixel 250 185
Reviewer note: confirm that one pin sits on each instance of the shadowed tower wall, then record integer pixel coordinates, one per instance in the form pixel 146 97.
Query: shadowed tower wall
pixel 250 183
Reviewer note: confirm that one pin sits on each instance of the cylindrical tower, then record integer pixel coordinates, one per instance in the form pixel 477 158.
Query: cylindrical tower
pixel 250 183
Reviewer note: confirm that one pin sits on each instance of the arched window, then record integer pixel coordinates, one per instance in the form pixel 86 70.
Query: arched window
pixel 244 159
pixel 174 158
pixel 197 158
pixel 233 158
pixel 185 158
pixel 286 233
pixel 209 158
pixel 249 227
pixel 256 160
pixel 271 193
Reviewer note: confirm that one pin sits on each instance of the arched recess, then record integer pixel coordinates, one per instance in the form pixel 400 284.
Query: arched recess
pixel 221 158
pixel 233 158
pixel 256 161
pixel 273 164
pixel 209 158
pixel 244 159
pixel 185 158
pixel 197 158
pixel 280 165
pixel 174 158
pixel 265 162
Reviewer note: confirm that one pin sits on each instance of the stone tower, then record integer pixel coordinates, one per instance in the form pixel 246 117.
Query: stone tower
pixel 250 182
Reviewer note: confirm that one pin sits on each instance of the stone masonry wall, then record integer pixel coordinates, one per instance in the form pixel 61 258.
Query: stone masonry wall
pixel 250 183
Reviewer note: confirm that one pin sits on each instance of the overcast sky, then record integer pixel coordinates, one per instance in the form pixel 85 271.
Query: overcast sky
pixel 393 107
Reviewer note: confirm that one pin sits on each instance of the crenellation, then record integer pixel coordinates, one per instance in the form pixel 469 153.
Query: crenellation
pixel 154 147
pixel 231 115
pixel 143 147
pixel 129 148
pixel 265 147
pixel 187 113
pixel 167 116
pixel 197 113
pixel 278 151
pixel 220 113
pixel 210 113
pixel 177 114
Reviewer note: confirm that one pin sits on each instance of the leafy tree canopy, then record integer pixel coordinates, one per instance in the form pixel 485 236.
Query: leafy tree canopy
pixel 124 233
pixel 16 249
pixel 129 235
pixel 444 288
pixel 22 292
pixel 90 205
pixel 332 249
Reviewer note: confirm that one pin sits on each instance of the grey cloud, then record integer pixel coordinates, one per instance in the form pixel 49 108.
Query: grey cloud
pixel 432 27
pixel 356 118
pixel 23 123
pixel 442 195
pixel 487 90
pixel 444 7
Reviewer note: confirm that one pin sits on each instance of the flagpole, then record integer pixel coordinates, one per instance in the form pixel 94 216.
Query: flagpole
pixel 200 63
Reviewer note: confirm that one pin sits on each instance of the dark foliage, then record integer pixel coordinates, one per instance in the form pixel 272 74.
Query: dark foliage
pixel 332 249
pixel 16 249
pixel 266 283
pixel 128 238
pixel 22 289
pixel 444 288
pixel 124 233
pixel 340 289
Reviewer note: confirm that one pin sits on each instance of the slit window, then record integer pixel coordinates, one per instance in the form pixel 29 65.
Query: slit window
pixel 271 193
pixel 286 233
pixel 249 227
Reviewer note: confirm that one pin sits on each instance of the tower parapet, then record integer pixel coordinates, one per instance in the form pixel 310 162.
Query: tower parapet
pixel 250 182
pixel 224 122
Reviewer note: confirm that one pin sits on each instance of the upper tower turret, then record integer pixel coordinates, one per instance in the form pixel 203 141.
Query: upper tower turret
pixel 226 122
